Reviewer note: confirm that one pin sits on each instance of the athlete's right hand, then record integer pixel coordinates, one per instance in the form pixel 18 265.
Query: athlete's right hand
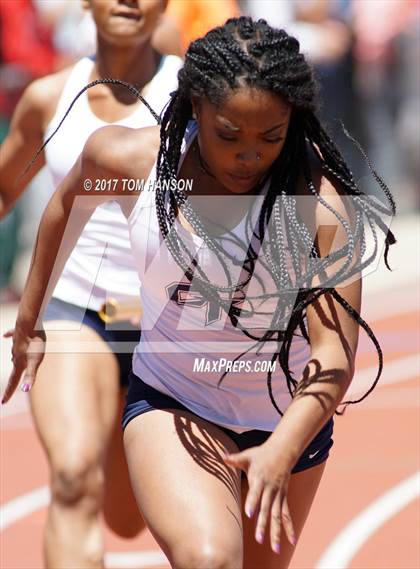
pixel 27 354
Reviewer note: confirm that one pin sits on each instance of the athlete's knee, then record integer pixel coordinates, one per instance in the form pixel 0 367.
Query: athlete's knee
pixel 78 479
pixel 207 555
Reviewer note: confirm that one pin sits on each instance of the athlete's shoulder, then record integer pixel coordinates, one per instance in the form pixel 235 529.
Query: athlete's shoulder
pixel 42 95
pixel 35 108
pixel 325 207
pixel 122 151
pixel 324 183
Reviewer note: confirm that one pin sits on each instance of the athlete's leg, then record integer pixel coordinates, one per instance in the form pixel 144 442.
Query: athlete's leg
pixel 189 498
pixel 74 404
pixel 302 489
pixel 126 521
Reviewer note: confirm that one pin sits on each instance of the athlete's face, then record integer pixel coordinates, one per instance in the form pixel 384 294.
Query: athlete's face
pixel 240 139
pixel 125 22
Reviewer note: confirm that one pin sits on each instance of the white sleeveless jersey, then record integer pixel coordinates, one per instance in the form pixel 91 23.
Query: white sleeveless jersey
pixel 101 264
pixel 187 342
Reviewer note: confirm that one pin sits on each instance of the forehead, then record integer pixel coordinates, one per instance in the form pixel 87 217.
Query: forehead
pixel 249 108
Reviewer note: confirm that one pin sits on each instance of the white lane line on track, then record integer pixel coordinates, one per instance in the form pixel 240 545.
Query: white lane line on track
pixel 395 371
pixel 351 539
pixel 402 397
pixel 29 503
pixel 23 506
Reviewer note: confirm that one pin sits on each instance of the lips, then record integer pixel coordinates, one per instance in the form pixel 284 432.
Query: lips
pixel 128 14
pixel 243 176
pixel 243 181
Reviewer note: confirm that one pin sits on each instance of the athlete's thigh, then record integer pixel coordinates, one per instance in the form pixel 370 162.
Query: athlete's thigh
pixel 75 397
pixel 186 493
pixel 301 493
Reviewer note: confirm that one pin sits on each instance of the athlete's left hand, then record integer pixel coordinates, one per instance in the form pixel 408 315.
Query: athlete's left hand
pixel 27 354
pixel 268 482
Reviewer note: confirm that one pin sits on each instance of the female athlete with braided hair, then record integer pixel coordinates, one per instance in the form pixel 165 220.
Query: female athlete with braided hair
pixel 251 303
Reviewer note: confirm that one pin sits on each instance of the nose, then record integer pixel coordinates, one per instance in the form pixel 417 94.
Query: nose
pixel 248 156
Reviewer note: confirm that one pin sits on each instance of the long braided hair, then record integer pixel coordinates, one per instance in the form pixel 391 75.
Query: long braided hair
pixel 251 53
pixel 248 53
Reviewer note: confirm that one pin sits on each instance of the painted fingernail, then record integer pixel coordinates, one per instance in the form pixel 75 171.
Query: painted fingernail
pixel 293 541
pixel 26 387
pixel 249 512
pixel 260 537
pixel 276 548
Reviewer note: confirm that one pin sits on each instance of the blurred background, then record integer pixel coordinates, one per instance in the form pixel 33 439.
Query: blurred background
pixel 366 55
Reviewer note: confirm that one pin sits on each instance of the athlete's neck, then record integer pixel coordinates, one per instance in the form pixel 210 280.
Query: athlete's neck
pixel 136 65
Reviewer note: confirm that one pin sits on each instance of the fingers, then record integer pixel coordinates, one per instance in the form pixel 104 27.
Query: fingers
pixel 265 507
pixel 287 522
pixel 281 520
pixel 30 373
pixel 253 497
pixel 242 460
pixel 24 359
pixel 276 508
pixel 12 383
pixel 34 358
pixel 9 333
pixel 275 524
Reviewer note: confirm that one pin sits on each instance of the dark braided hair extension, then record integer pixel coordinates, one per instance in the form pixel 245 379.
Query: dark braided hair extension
pixel 248 53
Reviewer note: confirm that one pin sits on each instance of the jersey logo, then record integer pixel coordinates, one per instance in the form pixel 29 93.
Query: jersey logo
pixel 183 296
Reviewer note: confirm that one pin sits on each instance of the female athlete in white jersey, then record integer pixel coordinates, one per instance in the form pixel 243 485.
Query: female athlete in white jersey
pixel 77 402
pixel 251 292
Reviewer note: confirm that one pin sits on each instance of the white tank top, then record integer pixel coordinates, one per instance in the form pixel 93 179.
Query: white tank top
pixel 101 264
pixel 185 338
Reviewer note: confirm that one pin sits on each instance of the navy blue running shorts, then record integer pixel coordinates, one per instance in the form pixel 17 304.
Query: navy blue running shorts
pixel 113 335
pixel 142 398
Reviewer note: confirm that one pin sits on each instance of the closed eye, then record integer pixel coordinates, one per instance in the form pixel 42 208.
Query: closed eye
pixel 224 137
pixel 273 140
pixel 269 140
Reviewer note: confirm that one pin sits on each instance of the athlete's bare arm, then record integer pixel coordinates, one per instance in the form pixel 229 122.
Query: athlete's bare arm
pixel 333 337
pixel 32 115
pixel 111 153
